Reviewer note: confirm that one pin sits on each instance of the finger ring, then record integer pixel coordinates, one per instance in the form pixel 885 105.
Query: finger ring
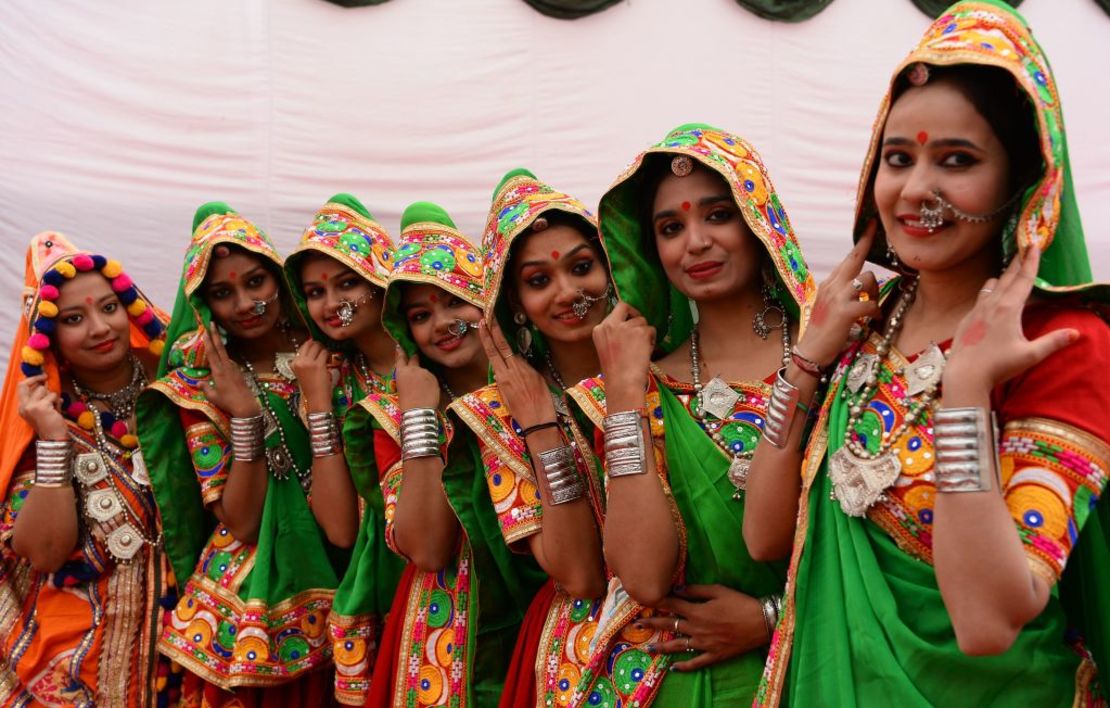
pixel 688 647
pixel 510 355
pixel 986 290
pixel 676 625
pixel 857 284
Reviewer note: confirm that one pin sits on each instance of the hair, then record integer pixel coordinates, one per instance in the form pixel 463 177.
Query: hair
pixel 996 96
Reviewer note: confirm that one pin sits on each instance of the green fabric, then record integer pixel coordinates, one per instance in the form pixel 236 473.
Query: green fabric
pixel 715 553
pixel 569 9
pixel 873 629
pixel 425 211
pixel 933 8
pixel 786 10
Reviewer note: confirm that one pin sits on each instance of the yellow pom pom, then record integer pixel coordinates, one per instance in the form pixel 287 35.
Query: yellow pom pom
pixel 32 356
pixel 66 269
pixel 85 420
pixel 129 441
pixel 111 269
pixel 136 308
pixel 156 347
pixel 48 309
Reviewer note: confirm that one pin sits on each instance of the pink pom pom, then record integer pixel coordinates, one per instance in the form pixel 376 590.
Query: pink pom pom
pixel 38 341
pixel 145 317
pixel 83 262
pixel 76 408
pixel 119 429
pixel 121 282
pixel 48 292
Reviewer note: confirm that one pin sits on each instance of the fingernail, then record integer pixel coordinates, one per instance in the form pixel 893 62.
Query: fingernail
pixel 1073 335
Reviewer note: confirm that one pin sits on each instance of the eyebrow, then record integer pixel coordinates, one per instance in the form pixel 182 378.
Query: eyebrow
pixel 703 202
pixel 942 142
pixel 564 257
pixel 101 301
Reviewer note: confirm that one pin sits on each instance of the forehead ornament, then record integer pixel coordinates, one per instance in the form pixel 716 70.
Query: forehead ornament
pixel 682 165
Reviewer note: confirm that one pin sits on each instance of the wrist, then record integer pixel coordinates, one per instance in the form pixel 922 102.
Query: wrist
pixel 964 388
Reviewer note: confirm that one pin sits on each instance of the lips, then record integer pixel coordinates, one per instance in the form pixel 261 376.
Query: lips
pixel 333 322
pixel 911 225
pixel 704 270
pixel 568 318
pixel 250 322
pixel 105 346
pixel 449 344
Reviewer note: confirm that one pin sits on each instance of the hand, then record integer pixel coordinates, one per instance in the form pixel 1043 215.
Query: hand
pixel 416 386
pixel 624 341
pixel 990 345
pixel 311 367
pixel 41 408
pixel 226 388
pixel 523 388
pixel 838 305
pixel 718 622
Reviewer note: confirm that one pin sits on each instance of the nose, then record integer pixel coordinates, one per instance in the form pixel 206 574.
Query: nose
pixel 98 324
pixel 567 291
pixel 244 304
pixel 919 185
pixel 698 239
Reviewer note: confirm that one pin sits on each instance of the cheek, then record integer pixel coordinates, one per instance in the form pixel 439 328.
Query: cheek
pixel 70 337
pixel 670 253
pixel 534 302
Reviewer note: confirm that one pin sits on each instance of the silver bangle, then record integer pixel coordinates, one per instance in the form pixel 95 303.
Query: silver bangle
pixel 781 410
pixel 625 452
pixel 966 453
pixel 564 483
pixel 247 443
pixel 420 433
pixel 323 430
pixel 772 609
pixel 53 463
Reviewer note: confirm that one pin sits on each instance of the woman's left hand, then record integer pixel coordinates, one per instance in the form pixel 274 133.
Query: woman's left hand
pixel 311 367
pixel 524 389
pixel 714 623
pixel 990 345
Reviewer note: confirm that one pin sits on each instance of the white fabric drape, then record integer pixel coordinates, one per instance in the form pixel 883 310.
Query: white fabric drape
pixel 117 119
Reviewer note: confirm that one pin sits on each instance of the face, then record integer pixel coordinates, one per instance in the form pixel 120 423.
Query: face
pixel 328 287
pixel 431 313
pixel 236 281
pixel 93 328
pixel 551 269
pixel 704 245
pixel 935 139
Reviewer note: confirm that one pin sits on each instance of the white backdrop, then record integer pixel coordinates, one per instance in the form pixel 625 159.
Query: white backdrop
pixel 117 119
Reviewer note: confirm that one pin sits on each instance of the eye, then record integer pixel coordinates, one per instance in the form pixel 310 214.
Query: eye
pixel 350 282
pixel 720 215
pixel 110 307
pixel 313 292
pixel 668 229
pixel 537 280
pixel 72 319
pixel 583 266
pixel 256 281
pixel 417 316
pixel 456 301
pixel 219 293
pixel 958 159
pixel 898 158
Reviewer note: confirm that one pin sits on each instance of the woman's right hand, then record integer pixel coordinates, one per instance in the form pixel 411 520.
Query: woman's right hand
pixel 41 408
pixel 416 386
pixel 226 387
pixel 624 341
pixel 838 305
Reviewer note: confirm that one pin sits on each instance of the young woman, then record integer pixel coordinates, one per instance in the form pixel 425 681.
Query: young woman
pixel 338 273
pixel 951 546
pixel 693 221
pixel 547 280
pixel 82 573
pixel 458 606
pixel 226 442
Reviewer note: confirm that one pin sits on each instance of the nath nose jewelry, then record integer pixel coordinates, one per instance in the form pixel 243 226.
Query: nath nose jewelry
pixel 932 211
pixel 347 308
pixel 260 306
pixel 582 304
pixel 461 327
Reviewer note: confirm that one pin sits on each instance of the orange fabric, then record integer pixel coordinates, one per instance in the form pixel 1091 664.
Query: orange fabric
pixel 520 681
pixel 385 669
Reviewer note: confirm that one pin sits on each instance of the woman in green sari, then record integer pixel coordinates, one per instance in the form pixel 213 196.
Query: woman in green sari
pixel 947 548
pixel 693 221
pixel 253 521
pixel 338 273
pixel 459 604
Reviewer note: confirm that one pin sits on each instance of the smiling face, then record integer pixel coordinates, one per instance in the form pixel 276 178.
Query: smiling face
pixel 93 332
pixel 328 286
pixel 550 269
pixel 936 139
pixel 705 247
pixel 431 313
pixel 235 281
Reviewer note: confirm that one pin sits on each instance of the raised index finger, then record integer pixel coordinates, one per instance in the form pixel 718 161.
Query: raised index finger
pixel 853 263
pixel 486 338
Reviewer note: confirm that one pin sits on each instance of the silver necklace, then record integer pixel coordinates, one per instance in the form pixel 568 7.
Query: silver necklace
pixel 557 398
pixel 372 380
pixel 279 459
pixel 719 399
pixel 860 477
pixel 122 401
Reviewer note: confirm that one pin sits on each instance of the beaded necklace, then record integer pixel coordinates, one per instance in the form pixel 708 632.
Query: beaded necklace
pixel 279 459
pixel 861 477
pixel 719 399
pixel 557 398
pixel 370 378
pixel 121 402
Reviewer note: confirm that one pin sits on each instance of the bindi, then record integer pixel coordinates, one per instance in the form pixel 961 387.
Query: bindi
pixel 89 301
pixel 433 297
pixel 922 137
pixel 685 206
pixel 233 276
pixel 554 255
pixel 324 277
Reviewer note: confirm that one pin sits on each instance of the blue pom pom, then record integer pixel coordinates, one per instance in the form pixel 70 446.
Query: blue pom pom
pixel 128 296
pixel 153 329
pixel 30 370
pixel 45 325
pixel 53 277
pixel 106 419
pixel 99 262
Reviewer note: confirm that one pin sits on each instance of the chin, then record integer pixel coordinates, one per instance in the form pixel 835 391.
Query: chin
pixel 562 334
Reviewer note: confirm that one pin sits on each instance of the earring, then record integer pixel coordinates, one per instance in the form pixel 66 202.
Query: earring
pixel 892 256
pixel 523 334
pixel 770 304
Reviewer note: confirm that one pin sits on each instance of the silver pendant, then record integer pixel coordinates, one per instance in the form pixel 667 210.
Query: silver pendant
pixel 860 371
pixel 925 373
pixel 124 543
pixel 102 505
pixel 283 365
pixel 139 471
pixel 718 399
pixel 738 474
pixel 89 468
pixel 280 461
pixel 560 405
pixel 860 482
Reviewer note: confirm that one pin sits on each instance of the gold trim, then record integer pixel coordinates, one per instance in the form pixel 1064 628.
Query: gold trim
pixel 465 411
pixel 389 425
pixel 209 410
pixel 377 280
pixel 1096 447
pixel 594 409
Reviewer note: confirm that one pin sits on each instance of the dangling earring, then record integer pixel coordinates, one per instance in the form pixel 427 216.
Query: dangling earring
pixel 890 254
pixel 770 304
pixel 523 334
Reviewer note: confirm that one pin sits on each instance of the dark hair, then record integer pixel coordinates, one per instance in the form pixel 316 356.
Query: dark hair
pixel 1003 104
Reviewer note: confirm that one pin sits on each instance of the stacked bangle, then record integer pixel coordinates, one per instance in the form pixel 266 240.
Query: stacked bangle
pixel 772 610
pixel 420 432
pixel 52 463
pixel 624 444
pixel 247 439
pixel 781 410
pixel 323 432
pixel 967 457
pixel 564 483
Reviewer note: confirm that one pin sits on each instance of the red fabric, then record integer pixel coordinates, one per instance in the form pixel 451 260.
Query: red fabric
pixel 1068 386
pixel 520 683
pixel 313 689
pixel 385 668
pixel 387 452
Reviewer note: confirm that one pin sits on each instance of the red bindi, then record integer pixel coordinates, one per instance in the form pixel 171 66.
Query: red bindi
pixel 685 206
pixel 554 255
pixel 324 277
pixel 233 276
pixel 922 137
pixel 88 301
pixel 433 297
